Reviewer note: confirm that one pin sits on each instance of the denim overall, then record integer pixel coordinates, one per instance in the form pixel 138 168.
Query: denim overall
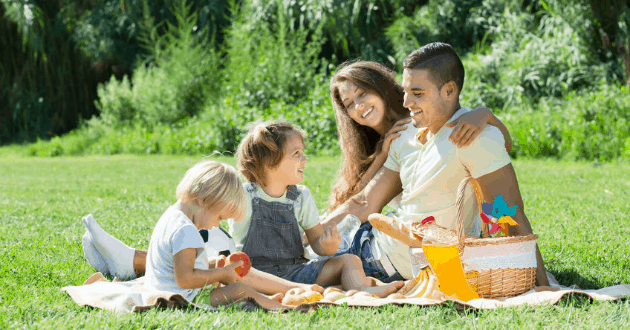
pixel 273 242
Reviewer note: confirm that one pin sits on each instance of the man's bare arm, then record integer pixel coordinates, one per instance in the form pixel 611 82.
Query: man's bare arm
pixel 379 191
pixel 503 182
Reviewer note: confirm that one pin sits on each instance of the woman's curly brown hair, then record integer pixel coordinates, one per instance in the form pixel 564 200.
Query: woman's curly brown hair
pixel 360 144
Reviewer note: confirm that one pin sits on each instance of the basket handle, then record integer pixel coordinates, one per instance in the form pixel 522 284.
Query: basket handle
pixel 461 236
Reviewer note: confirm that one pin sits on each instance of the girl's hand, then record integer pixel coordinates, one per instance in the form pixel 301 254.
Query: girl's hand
pixel 229 273
pixel 468 126
pixel 394 133
pixel 305 239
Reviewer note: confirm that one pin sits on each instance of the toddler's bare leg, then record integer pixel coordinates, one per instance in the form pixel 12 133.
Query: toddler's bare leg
pixel 232 292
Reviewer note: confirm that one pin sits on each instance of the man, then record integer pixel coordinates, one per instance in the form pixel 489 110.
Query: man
pixel 427 168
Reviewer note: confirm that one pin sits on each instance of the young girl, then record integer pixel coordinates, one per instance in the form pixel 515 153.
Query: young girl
pixel 271 158
pixel 208 193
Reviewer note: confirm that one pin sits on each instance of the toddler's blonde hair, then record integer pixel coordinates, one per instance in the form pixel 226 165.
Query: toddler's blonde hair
pixel 209 183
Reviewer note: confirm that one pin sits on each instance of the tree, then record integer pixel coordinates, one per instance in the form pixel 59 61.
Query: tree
pixel 608 15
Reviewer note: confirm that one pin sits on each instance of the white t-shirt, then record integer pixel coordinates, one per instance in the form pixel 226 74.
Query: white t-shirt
pixel 305 210
pixel 173 232
pixel 430 175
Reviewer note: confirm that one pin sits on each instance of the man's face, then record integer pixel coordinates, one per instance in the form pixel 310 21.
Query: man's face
pixel 424 100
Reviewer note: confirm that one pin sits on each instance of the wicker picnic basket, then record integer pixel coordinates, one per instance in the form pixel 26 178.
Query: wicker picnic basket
pixel 494 267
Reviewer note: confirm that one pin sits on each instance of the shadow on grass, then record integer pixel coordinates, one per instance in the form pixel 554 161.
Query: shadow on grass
pixel 568 277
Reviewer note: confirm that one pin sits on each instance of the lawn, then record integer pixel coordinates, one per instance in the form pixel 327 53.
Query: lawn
pixel 579 210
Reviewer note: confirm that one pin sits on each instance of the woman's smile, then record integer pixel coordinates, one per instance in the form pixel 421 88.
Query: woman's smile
pixel 364 107
pixel 367 112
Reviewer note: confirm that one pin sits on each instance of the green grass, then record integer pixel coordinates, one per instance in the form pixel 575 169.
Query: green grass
pixel 579 210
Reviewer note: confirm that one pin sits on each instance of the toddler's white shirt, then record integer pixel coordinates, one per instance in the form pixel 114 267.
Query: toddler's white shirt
pixel 172 233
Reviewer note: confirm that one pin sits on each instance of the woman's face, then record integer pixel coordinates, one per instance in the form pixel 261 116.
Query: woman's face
pixel 365 108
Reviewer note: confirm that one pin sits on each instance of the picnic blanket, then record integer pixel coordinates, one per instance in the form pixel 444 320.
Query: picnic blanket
pixel 133 296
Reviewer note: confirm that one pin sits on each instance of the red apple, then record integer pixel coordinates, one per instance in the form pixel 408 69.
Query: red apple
pixel 221 261
pixel 236 256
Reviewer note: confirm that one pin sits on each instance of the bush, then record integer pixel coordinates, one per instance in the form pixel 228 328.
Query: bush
pixel 46 84
pixel 217 130
pixel 461 24
pixel 584 126
pixel 269 60
pixel 534 57
pixel 181 79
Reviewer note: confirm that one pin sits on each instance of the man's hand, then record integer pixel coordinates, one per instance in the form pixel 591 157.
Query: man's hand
pixel 379 191
pixel 330 237
pixel 324 242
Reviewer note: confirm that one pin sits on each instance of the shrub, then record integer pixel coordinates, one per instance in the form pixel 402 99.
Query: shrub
pixel 534 57
pixel 461 24
pixel 584 126
pixel 269 60
pixel 181 78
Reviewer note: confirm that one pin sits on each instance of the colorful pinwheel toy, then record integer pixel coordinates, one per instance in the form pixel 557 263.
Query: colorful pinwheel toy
pixel 498 215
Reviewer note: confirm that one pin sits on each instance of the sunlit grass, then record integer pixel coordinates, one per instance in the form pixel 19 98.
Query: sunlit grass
pixel 579 210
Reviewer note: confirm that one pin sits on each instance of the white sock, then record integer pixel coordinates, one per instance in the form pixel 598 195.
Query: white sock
pixel 91 254
pixel 117 255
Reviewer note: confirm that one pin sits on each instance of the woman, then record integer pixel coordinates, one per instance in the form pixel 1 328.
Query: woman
pixel 375 99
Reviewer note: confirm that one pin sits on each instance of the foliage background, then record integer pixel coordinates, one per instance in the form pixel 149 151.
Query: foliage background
pixel 187 76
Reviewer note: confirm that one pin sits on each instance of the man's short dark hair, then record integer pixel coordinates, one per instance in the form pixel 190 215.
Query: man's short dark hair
pixel 442 62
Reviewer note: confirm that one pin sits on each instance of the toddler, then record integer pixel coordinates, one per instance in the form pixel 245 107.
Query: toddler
pixel 208 193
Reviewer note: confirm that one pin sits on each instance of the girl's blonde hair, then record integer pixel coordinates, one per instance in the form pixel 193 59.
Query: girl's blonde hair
pixel 263 148
pixel 211 183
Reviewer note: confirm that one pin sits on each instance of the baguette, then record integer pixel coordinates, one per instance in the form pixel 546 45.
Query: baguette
pixel 395 229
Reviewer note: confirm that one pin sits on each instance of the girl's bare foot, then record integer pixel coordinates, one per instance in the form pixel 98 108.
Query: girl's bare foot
pixel 313 287
pixel 384 290
pixel 374 281
pixel 277 297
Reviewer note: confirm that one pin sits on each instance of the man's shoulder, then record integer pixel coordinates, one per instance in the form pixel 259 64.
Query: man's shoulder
pixel 492 132
pixel 405 137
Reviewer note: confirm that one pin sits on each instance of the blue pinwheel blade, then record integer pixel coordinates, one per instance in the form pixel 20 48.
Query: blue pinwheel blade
pixel 511 211
pixel 499 206
pixel 486 208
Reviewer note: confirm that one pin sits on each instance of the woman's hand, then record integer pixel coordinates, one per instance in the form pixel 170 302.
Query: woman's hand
pixel 394 133
pixel 468 126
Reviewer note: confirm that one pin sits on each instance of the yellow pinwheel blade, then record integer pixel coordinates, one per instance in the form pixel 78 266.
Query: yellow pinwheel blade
pixel 508 219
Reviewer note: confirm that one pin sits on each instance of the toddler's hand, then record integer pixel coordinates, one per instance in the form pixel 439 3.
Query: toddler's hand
pixel 330 238
pixel 229 273
pixel 212 262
